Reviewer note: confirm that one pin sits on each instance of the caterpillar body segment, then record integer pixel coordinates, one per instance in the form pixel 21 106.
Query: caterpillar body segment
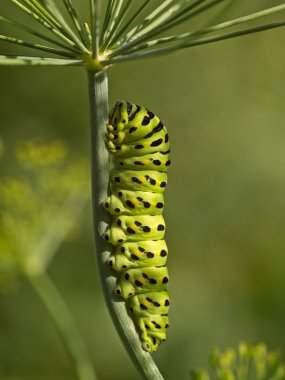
pixel 139 144
pixel 146 253
pixel 155 161
pixel 135 228
pixel 134 203
pixel 140 147
pixel 144 180
pixel 149 304
pixel 141 280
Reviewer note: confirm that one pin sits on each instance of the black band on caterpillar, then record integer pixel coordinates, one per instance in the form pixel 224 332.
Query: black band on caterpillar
pixel 139 144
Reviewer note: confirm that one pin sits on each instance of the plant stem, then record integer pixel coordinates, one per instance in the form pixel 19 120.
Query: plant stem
pixel 65 325
pixel 98 96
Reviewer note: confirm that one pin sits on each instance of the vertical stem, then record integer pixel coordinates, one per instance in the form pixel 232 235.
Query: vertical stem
pixel 65 325
pixel 98 97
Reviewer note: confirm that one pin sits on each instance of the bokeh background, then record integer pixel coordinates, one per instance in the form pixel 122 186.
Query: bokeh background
pixel 223 105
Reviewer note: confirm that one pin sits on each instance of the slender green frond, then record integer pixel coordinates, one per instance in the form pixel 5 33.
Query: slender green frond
pixel 42 12
pixel 56 13
pixel 187 37
pixel 17 60
pixel 95 7
pixel 161 24
pixel 115 13
pixel 120 19
pixel 63 31
pixel 165 10
pixel 69 5
pixel 106 21
pixel 51 6
pixel 36 46
pixel 202 41
pixel 52 29
pixel 39 10
pixel 88 34
pixel 187 16
pixel 36 33
pixel 129 23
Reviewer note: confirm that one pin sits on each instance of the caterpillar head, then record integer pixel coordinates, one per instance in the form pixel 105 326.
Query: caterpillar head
pixel 119 115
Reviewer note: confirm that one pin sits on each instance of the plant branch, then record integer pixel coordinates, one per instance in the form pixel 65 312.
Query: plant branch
pixel 76 20
pixel 64 324
pixel 36 46
pixel 95 25
pixel 51 28
pixel 129 22
pixel 162 12
pixel 160 20
pixel 106 20
pixel 188 37
pixel 36 33
pixel 61 29
pixel 98 97
pixel 120 19
pixel 18 60
pixel 184 45
pixel 38 9
pixel 114 17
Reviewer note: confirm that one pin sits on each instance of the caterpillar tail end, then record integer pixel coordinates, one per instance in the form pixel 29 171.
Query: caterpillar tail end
pixel 149 344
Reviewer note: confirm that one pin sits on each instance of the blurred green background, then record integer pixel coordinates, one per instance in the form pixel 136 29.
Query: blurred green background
pixel 223 105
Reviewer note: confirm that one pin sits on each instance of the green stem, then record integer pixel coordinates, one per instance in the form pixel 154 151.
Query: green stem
pixel 98 97
pixel 65 325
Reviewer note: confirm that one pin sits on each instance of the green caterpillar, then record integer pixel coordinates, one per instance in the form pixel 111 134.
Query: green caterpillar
pixel 139 144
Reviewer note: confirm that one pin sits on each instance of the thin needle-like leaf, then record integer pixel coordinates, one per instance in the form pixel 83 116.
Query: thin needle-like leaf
pixel 69 5
pixel 17 60
pixel 120 19
pixel 95 6
pixel 36 33
pixel 202 41
pixel 55 12
pixel 163 25
pixel 129 22
pixel 185 17
pixel 106 21
pixel 88 34
pixel 63 29
pixel 228 24
pixel 157 15
pixel 113 21
pixel 36 7
pixel 35 46
pixel 45 24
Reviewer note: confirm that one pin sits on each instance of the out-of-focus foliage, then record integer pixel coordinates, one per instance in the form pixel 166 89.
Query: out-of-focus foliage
pixel 39 207
pixel 247 362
